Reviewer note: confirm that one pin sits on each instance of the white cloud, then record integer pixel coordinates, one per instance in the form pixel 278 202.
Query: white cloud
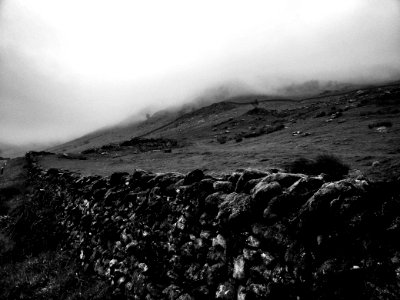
pixel 80 64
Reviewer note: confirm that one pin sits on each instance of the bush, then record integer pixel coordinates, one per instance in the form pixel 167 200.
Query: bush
pixel 325 163
pixel 275 128
pixel 222 139
pixel 264 130
pixel 320 114
pixel 302 165
pixel 238 138
pixel 379 124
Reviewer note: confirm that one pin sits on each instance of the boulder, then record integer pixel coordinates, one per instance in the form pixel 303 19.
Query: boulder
pixel 284 179
pixel 247 175
pixel 318 213
pixel 163 180
pixel 118 178
pixel 185 296
pixel 223 186
pixel 238 267
pixel 196 194
pixel 234 177
pixel 263 192
pixel 235 210
pixel 172 292
pixel 140 178
pixel 225 291
pixel 331 190
pixel 213 201
pixel 249 185
pixel 194 176
pixel 305 186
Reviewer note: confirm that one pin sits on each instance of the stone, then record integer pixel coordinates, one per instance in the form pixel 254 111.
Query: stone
pixel 305 186
pixel 163 180
pixel 215 273
pixel 258 291
pixel 193 176
pixel 185 297
pixel 241 293
pixel 213 201
pixel 117 178
pixel 247 175
pixel 284 179
pixel 223 186
pixel 225 291
pixel 249 185
pixel 145 239
pixel 238 267
pixel 235 210
pixel 331 190
pixel 234 177
pixel 252 242
pixel 172 292
pixel 219 240
pixel 263 192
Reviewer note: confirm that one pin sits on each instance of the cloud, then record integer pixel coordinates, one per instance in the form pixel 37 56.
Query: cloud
pixel 69 67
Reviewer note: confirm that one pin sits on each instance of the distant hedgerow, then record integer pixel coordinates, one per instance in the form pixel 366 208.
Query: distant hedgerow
pixel 325 163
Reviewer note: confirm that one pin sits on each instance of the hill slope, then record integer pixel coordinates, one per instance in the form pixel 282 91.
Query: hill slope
pixel 362 127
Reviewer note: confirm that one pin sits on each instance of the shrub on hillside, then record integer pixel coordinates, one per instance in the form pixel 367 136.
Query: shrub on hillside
pixel 379 124
pixel 328 164
pixel 264 130
pixel 238 138
pixel 301 165
pixel 222 139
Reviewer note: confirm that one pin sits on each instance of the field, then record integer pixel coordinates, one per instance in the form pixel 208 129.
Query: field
pixel 229 135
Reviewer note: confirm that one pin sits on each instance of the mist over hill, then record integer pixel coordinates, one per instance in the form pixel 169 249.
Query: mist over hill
pixel 60 79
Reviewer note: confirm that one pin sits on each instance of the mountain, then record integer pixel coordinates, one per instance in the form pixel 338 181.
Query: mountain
pixel 360 126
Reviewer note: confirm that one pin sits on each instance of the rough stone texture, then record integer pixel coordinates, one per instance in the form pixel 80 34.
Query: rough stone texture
pixel 246 176
pixel 175 236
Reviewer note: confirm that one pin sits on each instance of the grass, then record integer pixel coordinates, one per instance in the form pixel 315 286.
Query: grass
pixel 264 130
pixel 350 140
pixel 34 226
pixel 32 264
pixel 327 164
pixel 222 139
pixel 49 275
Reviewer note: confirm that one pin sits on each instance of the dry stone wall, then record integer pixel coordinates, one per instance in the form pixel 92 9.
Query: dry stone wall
pixel 247 235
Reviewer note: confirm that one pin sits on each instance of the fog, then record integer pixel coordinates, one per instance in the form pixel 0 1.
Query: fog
pixel 68 67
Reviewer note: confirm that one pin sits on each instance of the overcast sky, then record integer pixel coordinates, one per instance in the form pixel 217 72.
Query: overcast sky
pixel 68 67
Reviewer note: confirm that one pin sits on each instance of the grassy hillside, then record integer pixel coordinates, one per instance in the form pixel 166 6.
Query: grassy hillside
pixel 229 135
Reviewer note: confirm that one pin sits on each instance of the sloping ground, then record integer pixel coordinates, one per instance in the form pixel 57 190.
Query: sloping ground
pixel 214 137
pixel 116 134
pixel 246 235
pixel 136 128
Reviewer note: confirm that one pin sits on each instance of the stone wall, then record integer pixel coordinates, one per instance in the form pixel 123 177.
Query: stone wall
pixel 246 235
